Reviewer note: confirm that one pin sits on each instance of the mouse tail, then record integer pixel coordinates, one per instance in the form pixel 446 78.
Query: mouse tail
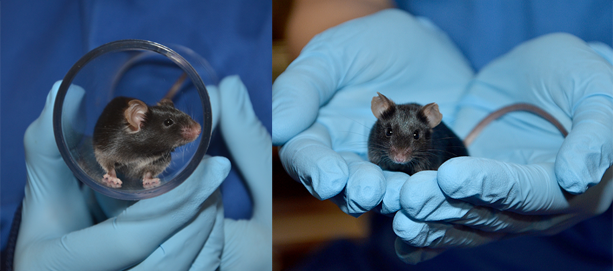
pixel 512 108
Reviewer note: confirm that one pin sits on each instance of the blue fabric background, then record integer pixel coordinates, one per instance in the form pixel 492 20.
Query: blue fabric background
pixel 485 30
pixel 41 40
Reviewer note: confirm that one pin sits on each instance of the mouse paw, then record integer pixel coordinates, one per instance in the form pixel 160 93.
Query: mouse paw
pixel 111 181
pixel 151 183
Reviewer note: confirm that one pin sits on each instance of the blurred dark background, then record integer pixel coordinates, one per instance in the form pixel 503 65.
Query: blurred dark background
pixel 302 224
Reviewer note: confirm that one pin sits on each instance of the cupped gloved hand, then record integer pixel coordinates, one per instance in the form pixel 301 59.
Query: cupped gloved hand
pixel 248 242
pixel 524 176
pixel 321 103
pixel 243 244
pixel 169 231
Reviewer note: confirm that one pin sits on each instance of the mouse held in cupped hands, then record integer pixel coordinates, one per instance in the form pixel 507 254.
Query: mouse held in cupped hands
pixel 137 139
pixel 410 137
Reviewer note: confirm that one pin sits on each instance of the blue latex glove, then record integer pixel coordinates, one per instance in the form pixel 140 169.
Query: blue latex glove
pixel 524 177
pixel 248 243
pixel 166 232
pixel 321 103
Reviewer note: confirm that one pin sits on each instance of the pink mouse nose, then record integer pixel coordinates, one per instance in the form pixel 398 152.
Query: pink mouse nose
pixel 197 128
pixel 401 156
pixel 191 133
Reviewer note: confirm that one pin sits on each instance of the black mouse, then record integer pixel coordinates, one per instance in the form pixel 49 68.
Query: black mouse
pixel 410 137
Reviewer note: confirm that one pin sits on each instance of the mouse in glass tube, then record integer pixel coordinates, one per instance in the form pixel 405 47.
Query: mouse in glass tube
pixel 137 139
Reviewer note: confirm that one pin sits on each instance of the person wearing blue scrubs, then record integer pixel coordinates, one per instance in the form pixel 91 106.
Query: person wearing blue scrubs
pixel 41 40
pixel 527 198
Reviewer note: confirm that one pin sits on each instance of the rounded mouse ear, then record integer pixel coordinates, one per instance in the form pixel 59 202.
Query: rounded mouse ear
pixel 380 105
pixel 135 114
pixel 167 102
pixel 432 114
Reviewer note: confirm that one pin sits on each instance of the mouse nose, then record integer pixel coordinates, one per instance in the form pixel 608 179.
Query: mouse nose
pixel 401 156
pixel 196 128
pixel 191 133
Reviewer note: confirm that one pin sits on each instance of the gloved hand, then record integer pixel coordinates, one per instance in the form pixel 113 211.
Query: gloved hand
pixel 524 177
pixel 168 232
pixel 248 243
pixel 321 103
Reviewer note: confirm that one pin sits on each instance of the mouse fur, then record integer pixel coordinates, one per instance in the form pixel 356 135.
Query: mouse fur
pixel 137 139
pixel 410 137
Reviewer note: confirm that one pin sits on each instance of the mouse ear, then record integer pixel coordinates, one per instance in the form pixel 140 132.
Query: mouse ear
pixel 135 115
pixel 167 102
pixel 380 105
pixel 432 114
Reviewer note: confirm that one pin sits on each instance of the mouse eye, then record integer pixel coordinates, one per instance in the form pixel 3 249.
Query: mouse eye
pixel 416 134
pixel 388 132
pixel 168 122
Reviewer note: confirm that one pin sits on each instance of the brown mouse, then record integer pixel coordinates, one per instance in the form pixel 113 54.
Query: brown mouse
pixel 137 139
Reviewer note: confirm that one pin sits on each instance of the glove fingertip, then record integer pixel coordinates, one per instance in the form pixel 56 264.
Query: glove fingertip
pixel 582 161
pixel 233 92
pixel 213 92
pixel 43 125
pixel 331 178
pixel 47 112
pixel 366 186
pixel 321 170
pixel 72 100
pixel 234 98
pixel 568 176
pixel 220 162
pixel 278 136
pixel 452 176
pixel 232 82
pixel 418 192
pixel 399 225
pixel 409 231
pixel 602 49
pixel 53 93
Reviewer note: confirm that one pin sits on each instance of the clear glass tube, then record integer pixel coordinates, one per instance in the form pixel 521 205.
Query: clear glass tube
pixel 140 69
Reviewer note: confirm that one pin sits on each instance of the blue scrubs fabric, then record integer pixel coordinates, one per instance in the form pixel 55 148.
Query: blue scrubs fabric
pixel 41 40
pixel 484 30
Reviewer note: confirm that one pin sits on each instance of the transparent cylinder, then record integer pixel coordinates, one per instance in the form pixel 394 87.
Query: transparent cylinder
pixel 140 69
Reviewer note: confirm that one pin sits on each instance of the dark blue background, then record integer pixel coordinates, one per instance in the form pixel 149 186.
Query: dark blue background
pixel 41 40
